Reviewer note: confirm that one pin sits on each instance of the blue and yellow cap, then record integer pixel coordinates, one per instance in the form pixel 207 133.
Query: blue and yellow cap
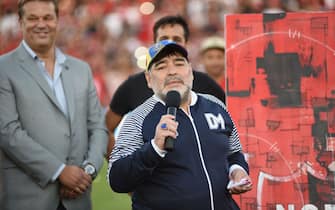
pixel 162 48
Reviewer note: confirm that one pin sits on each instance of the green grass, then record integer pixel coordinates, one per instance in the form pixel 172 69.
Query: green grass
pixel 104 198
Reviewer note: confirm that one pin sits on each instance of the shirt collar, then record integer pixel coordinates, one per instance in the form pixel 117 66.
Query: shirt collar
pixel 194 98
pixel 29 50
pixel 60 57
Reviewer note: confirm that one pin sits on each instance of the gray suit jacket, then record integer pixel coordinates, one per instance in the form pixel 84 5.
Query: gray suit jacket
pixel 36 137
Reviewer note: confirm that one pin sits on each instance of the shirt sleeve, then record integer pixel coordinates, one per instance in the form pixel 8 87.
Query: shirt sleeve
pixel 160 152
pixel 132 160
pixel 58 172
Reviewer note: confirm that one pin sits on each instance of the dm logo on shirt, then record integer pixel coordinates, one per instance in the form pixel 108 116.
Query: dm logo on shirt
pixel 215 121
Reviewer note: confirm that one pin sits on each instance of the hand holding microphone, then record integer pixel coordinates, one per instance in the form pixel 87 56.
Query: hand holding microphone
pixel 166 130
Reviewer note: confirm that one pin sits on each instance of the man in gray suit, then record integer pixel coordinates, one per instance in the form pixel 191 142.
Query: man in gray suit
pixel 52 131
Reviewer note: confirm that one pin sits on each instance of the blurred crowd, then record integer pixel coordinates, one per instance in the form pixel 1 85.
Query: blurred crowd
pixel 110 34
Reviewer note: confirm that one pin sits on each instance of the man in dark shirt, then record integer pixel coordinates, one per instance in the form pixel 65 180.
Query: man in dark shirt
pixel 134 90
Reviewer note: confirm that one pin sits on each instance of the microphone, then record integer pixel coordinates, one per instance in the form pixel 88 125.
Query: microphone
pixel 172 102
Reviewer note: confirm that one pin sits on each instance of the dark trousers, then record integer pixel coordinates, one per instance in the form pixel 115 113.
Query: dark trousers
pixel 61 206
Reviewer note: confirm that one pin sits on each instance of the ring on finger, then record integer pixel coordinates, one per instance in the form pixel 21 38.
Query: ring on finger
pixel 164 126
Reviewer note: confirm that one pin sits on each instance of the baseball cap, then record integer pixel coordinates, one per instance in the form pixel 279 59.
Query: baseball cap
pixel 162 48
pixel 213 42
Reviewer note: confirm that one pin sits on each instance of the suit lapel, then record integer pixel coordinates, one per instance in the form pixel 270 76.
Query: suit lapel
pixel 68 90
pixel 28 65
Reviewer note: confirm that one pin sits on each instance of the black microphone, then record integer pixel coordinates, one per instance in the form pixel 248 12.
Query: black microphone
pixel 172 102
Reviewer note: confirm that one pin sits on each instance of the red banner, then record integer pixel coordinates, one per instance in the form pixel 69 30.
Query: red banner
pixel 281 93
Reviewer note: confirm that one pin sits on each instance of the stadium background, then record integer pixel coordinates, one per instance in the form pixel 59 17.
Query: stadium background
pixel 111 35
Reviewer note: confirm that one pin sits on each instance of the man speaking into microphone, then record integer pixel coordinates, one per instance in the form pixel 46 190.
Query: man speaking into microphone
pixel 178 156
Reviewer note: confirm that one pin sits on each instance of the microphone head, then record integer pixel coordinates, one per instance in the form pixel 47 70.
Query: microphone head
pixel 172 99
